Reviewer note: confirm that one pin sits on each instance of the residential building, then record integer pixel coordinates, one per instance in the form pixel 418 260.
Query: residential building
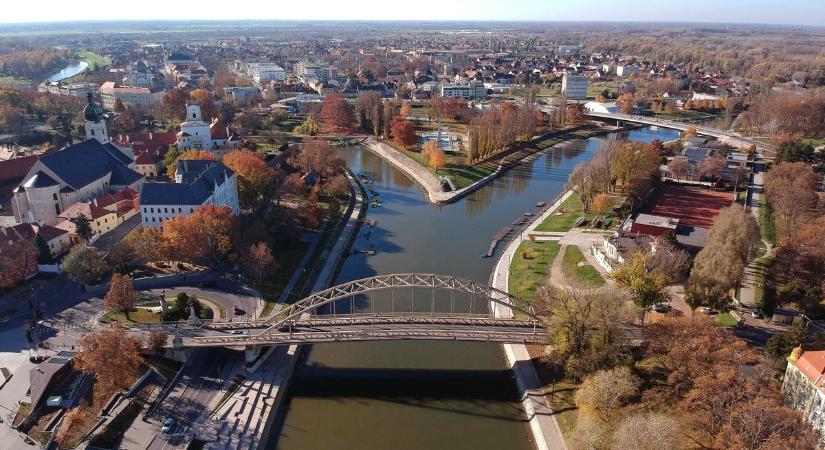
pixel 240 94
pixel 101 220
pixel 138 96
pixel 468 91
pixel 625 70
pixel 139 75
pixel 262 72
pixel 613 250
pixel 196 183
pixel 310 71
pixel 574 87
pixel 77 173
pixel 804 386
pixel 568 50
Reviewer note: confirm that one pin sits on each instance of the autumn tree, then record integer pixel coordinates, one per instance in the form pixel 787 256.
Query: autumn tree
pixel 148 244
pixel 406 109
pixel 648 431
pixel 320 156
pixel 388 117
pixel 111 355
pixel 369 110
pixel 174 102
pixel 258 260
pixel 646 284
pixel 336 113
pixel 712 167
pixel 86 263
pixel 602 203
pixel 122 296
pixel 309 127
pixel 604 392
pixel 791 190
pixel 719 267
pixel 156 340
pixel 255 177
pixel 71 423
pixel 403 132
pixel 585 326
pixel 207 233
pixel 189 155
pixel 689 133
pixel 678 166
pixel 582 181
pixel 10 258
pixel 434 155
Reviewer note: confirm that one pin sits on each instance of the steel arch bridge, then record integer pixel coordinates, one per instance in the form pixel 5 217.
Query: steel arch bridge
pixel 506 319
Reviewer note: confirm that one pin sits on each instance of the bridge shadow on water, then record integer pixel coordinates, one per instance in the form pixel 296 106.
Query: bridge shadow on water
pixel 483 393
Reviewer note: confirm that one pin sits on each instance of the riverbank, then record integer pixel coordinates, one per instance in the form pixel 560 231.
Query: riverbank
pixel 508 159
pixel 324 277
pixel 541 419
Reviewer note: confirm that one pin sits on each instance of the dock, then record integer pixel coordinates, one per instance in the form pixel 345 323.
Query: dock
pixel 498 237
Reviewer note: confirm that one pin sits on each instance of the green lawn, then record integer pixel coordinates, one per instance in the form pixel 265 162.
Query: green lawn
pixel 528 274
pixel 456 169
pixel 577 268
pixel 725 320
pixel 93 58
pixel 10 80
pixel 566 216
pixel 767 226
pixel 136 316
pixel 562 401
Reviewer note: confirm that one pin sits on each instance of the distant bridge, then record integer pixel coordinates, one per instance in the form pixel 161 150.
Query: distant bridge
pixel 482 314
pixel 729 137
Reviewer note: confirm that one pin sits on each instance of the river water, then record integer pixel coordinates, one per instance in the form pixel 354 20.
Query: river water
pixel 69 71
pixel 426 395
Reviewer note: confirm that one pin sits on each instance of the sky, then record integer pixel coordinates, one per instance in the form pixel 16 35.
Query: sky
pixel 797 12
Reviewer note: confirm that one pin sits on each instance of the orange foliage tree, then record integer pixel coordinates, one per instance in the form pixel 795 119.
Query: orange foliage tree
pixel 121 296
pixel 208 233
pixel 206 101
pixel 255 177
pixel 111 355
pixel 336 113
pixel 403 132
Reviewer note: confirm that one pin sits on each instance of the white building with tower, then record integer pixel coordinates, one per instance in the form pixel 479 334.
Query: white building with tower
pixel 196 133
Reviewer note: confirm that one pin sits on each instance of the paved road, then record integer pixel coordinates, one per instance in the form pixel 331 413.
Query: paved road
pixel 110 239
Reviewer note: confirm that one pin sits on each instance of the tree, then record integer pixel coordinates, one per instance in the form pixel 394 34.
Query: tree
pixel 712 167
pixel 206 101
pixel 309 127
pixel 85 263
pixel 678 166
pixel 148 244
pixel 111 355
pixel 791 190
pixel 10 257
pixel 44 253
pixel 646 284
pixel 403 132
pixel 255 177
pixel 121 296
pixel 258 260
pixel 434 155
pixel 71 423
pixel 170 159
pixel 585 326
pixel 156 341
pixel 336 113
pixel 795 151
pixel 406 109
pixel 718 268
pixel 174 102
pixel 605 391
pixel 388 117
pixel 207 233
pixel 689 133
pixel 602 203
pixel 582 181
pixel 648 431
pixel 83 227
pixel 189 155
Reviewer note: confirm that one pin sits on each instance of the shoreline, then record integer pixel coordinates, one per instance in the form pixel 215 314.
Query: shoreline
pixel 542 423
pixel 432 184
pixel 277 413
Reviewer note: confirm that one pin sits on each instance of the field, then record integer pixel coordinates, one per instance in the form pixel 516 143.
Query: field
pixel 577 269
pixel 528 274
pixel 695 207
pixel 566 216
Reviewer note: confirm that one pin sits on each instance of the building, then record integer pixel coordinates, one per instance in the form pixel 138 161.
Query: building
pixel 653 225
pixel 138 96
pixel 241 95
pixel 467 91
pixel 196 183
pixel 614 250
pixel 195 133
pixel 804 385
pixel 148 149
pixel 101 220
pixel 625 71
pixel 309 71
pixel 568 50
pixel 574 87
pixel 78 173
pixel 262 72
pixel 140 76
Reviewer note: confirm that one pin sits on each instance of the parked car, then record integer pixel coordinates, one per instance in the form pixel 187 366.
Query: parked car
pixel 662 307
pixel 238 332
pixel 168 424
pixel 704 310
pixel 756 313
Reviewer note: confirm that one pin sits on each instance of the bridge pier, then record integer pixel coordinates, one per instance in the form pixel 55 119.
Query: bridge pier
pixel 252 353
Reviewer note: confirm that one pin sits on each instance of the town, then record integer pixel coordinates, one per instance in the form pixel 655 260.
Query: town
pixel 402 234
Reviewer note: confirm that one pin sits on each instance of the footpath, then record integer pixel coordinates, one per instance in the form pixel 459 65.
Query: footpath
pixel 543 425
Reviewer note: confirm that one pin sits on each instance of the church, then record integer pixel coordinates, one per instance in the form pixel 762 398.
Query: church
pixel 195 133
pixel 77 173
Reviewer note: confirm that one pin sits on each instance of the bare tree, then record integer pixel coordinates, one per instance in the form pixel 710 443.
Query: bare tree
pixel 648 431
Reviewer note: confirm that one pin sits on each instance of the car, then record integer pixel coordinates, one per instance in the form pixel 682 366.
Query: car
pixel 662 307
pixel 168 424
pixel 756 313
pixel 238 332
pixel 704 310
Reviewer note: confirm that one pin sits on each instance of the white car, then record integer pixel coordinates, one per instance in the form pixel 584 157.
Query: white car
pixel 168 424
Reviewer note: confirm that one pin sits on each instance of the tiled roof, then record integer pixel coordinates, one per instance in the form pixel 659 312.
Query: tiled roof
pixel 110 199
pixel 12 170
pixel 87 209
pixel 812 365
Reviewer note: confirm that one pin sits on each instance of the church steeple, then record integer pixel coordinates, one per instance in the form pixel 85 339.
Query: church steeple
pixel 95 123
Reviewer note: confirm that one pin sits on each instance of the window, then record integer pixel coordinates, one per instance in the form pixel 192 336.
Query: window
pixel 152 210
pixel 57 209
pixel 145 210
pixel 166 210
pixel 54 197
pixel 180 210
pixel 153 219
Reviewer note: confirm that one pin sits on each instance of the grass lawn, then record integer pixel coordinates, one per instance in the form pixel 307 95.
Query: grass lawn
pixel 767 226
pixel 93 58
pixel 577 268
pixel 456 169
pixel 725 320
pixel 562 402
pixel 528 274
pixel 137 316
pixel 566 216
pixel 815 141
pixel 10 80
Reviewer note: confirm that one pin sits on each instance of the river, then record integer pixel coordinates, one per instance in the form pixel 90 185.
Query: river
pixel 426 395
pixel 69 71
